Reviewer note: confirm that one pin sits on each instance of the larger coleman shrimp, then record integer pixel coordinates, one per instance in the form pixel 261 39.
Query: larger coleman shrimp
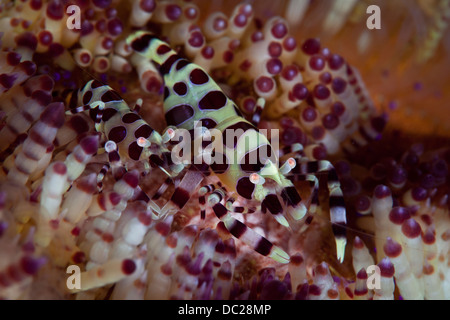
pixel 190 95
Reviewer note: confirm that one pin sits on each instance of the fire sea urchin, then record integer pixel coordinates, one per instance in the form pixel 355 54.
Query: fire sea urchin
pixel 346 98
